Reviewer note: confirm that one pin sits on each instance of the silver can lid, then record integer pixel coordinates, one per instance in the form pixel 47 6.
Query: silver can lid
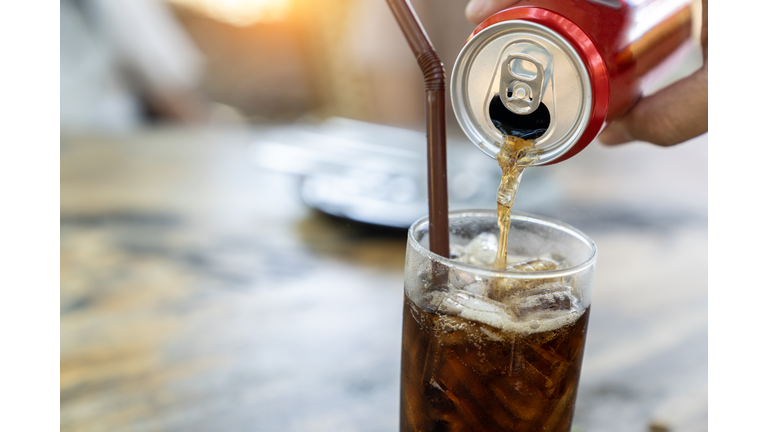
pixel 526 79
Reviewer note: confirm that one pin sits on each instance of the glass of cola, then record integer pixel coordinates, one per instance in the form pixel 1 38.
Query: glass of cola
pixel 493 350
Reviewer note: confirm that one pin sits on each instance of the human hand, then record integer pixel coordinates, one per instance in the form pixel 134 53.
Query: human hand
pixel 672 115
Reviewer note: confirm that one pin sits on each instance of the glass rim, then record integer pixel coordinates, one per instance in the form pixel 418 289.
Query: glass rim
pixel 484 271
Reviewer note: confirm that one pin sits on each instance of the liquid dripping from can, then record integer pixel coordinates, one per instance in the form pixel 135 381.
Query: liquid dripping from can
pixel 514 156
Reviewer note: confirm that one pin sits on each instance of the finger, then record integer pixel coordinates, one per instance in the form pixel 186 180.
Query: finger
pixel 673 115
pixel 479 10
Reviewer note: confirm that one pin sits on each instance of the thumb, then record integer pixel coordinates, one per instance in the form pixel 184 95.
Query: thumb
pixel 674 114
pixel 479 10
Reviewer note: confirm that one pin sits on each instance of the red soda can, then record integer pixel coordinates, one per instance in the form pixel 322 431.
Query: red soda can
pixel 557 71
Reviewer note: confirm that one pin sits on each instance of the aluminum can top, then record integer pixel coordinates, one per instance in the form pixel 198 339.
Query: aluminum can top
pixel 521 78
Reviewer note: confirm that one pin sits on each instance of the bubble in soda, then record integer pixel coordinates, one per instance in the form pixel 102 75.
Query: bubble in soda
pixel 463 374
pixel 493 353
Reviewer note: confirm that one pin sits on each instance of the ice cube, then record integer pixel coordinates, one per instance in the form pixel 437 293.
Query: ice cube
pixel 501 289
pixel 560 260
pixel 481 251
pixel 545 300
pixel 469 305
pixel 535 264
pixel 479 288
pixel 465 281
pixel 459 279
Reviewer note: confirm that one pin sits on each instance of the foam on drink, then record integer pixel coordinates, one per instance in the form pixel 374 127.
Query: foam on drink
pixel 509 325
pixel 517 307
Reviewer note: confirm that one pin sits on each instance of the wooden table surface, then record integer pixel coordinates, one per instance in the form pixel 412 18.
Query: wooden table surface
pixel 198 292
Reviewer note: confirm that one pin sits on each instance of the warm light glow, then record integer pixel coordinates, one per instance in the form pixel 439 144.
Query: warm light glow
pixel 240 12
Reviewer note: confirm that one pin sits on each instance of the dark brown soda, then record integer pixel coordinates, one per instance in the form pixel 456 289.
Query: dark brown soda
pixel 462 375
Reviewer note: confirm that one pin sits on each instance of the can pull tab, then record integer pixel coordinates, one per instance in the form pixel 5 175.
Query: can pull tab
pixel 520 87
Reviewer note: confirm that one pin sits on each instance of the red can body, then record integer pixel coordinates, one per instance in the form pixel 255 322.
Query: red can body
pixel 619 41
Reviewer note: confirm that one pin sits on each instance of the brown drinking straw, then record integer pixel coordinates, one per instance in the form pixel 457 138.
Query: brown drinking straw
pixel 434 82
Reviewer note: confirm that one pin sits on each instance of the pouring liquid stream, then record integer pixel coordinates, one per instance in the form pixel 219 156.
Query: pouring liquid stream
pixel 514 156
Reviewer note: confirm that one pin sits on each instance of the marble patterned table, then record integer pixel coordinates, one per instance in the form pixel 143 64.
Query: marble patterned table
pixel 198 293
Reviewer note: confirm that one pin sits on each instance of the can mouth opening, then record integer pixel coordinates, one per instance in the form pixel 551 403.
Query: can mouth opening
pixel 530 126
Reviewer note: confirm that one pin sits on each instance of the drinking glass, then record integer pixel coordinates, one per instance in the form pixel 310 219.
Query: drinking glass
pixel 492 350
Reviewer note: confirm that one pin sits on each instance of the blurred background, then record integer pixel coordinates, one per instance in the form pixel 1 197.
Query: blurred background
pixel 236 176
pixel 265 60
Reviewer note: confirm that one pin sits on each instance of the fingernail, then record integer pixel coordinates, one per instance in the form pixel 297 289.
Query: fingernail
pixel 615 134
pixel 475 8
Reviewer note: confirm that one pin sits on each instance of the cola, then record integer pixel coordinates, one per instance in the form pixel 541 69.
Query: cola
pixel 486 349
pixel 463 375
pixel 515 155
